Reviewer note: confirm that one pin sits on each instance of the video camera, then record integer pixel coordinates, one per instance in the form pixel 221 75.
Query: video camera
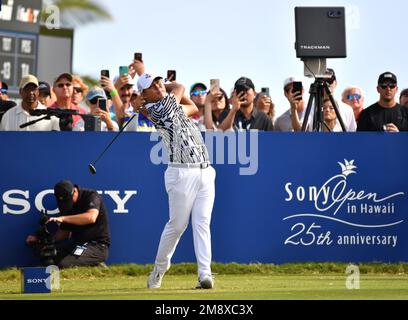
pixel 45 247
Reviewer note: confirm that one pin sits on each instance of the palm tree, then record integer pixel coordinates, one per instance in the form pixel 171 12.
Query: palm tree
pixel 75 13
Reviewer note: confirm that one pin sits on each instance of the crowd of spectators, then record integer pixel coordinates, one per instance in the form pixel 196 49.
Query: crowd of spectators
pixel 118 104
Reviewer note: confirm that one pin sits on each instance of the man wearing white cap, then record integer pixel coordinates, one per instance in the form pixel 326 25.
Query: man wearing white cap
pixel 20 114
pixel 297 106
pixel 189 178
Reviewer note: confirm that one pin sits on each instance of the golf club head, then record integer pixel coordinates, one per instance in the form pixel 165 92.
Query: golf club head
pixel 92 168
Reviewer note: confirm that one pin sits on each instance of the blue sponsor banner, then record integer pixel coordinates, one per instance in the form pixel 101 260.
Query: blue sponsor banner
pixel 280 197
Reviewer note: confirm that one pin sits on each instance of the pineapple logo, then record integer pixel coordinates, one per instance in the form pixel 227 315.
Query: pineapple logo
pixel 347 168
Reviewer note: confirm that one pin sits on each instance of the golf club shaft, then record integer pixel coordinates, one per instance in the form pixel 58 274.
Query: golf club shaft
pixel 113 140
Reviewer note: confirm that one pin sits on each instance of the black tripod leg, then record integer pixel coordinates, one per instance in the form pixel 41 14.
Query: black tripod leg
pixel 335 106
pixel 309 107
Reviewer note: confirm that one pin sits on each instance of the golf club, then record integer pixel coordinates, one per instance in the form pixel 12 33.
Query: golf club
pixel 91 166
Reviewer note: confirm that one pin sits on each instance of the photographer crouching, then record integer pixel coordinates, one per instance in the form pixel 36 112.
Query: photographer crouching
pixel 83 222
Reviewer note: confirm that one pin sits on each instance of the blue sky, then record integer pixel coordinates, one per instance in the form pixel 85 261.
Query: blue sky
pixel 227 39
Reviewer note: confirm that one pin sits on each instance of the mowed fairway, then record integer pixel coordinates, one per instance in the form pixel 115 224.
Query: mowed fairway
pixel 228 287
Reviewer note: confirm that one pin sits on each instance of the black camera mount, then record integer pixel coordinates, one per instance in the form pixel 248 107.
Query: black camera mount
pixel 91 122
pixel 64 115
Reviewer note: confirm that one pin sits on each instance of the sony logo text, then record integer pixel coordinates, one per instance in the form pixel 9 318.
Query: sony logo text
pixel 16 201
pixel 35 281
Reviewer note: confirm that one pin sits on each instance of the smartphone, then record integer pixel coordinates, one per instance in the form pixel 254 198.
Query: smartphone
pixel 123 70
pixel 138 56
pixel 214 85
pixel 105 73
pixel 102 104
pixel 297 87
pixel 171 75
pixel 265 92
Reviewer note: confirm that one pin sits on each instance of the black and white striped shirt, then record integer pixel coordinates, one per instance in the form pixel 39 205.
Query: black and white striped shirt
pixel 179 134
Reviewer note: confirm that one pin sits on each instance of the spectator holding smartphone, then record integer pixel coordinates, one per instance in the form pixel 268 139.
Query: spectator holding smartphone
pixel 114 102
pixel 214 104
pixel 124 84
pixel 97 102
pixel 263 103
pixel 243 115
pixel 295 114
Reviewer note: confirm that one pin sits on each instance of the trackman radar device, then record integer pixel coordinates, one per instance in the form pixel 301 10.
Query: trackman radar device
pixel 320 32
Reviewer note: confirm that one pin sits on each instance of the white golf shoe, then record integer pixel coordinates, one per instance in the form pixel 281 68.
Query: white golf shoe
pixel 206 282
pixel 155 279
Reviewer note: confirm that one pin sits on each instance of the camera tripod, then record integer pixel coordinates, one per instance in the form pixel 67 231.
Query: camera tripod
pixel 317 90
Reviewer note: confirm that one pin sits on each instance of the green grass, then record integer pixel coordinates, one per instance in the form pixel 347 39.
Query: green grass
pixel 233 281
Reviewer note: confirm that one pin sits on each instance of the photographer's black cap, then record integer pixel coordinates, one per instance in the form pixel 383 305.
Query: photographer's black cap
pixel 63 192
pixel 387 76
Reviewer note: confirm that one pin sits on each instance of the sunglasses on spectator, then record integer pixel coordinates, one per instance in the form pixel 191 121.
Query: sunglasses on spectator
pixel 388 85
pixel 78 90
pixel 196 93
pixel 356 96
pixel 3 91
pixel 62 85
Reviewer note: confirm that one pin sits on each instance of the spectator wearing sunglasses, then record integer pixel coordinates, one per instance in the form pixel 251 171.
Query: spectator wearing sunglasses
pixel 5 105
pixel 354 97
pixel 198 94
pixel 80 90
pixel 4 91
pixel 94 97
pixel 385 115
pixel 404 97
pixel 64 90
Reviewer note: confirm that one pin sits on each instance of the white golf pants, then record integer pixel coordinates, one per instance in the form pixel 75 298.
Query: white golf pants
pixel 190 191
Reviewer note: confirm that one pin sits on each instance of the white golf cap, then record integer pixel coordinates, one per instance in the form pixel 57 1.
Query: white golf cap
pixel 290 80
pixel 145 81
